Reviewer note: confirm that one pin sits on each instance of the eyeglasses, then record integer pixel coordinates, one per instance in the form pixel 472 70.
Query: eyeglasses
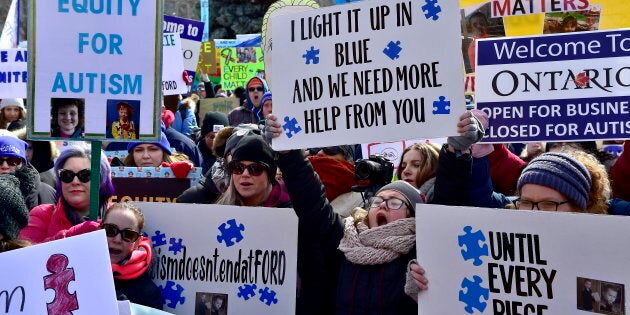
pixel 67 176
pixel 256 88
pixel 254 169
pixel 11 161
pixel 127 235
pixel 392 203
pixel 523 204
pixel 327 150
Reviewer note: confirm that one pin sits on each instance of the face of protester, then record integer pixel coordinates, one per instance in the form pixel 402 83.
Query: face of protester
pixel 122 219
pixel 411 164
pixel 535 148
pixel 68 118
pixel 251 186
pixel 148 155
pixel 266 108
pixel 9 164
pixel 77 193
pixel 255 94
pixel 379 214
pixel 123 114
pixel 209 139
pixel 538 193
pixel 11 113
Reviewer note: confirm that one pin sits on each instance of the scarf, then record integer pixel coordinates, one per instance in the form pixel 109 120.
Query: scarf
pixel 337 176
pixel 137 264
pixel 373 246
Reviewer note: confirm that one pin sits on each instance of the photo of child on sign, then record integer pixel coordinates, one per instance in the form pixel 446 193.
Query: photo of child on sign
pixel 567 22
pixel 123 124
pixel 476 24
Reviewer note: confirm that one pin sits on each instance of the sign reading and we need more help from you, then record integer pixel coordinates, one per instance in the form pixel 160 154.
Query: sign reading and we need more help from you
pixel 522 262
pixel 246 257
pixel 367 71
pixel 13 74
pixel 98 51
pixel 557 87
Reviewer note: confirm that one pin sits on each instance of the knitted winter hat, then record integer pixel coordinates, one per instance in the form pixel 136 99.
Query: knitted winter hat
pixel 220 140
pixel 252 147
pixel 164 144
pixel 13 211
pixel 411 193
pixel 561 172
pixel 266 97
pixel 13 147
pixel 12 102
pixel 238 133
pixel 211 119
pixel 255 81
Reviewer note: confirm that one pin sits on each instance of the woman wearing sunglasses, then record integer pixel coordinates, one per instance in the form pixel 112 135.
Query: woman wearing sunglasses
pixel 51 221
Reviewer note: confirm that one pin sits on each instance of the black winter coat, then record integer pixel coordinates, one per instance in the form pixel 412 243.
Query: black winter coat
pixel 141 291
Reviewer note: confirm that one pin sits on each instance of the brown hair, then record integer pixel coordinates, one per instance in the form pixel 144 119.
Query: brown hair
pixel 127 206
pixel 429 153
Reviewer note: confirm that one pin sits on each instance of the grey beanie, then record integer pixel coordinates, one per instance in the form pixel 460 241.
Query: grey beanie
pixel 561 172
pixel 13 210
pixel 411 193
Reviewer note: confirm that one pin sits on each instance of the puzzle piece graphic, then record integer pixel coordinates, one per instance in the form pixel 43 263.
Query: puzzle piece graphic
pixel 311 55
pixel 431 9
pixel 441 106
pixel 58 279
pixel 158 239
pixel 174 296
pixel 393 50
pixel 473 249
pixel 175 247
pixel 268 296
pixel 246 291
pixel 291 126
pixel 473 294
pixel 232 234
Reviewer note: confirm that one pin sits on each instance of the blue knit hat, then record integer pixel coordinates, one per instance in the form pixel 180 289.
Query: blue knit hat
pixel 13 147
pixel 266 97
pixel 561 172
pixel 411 193
pixel 164 144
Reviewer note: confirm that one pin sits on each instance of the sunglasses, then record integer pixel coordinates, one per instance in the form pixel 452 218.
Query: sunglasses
pixel 67 176
pixel 327 150
pixel 254 169
pixel 127 235
pixel 11 161
pixel 256 88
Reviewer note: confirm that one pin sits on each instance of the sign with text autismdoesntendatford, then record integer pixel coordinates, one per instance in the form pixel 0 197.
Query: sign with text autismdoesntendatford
pixel 522 262
pixel 13 74
pixel 556 87
pixel 99 53
pixel 59 277
pixel 246 257
pixel 367 71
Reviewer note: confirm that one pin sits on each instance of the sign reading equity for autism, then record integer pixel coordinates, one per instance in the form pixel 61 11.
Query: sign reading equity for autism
pixel 59 278
pixel 91 54
pixel 557 87
pixel 367 71
pixel 13 73
pixel 191 33
pixel 521 262
pixel 246 257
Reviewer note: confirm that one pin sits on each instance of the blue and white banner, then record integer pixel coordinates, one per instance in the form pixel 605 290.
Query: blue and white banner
pixel 191 33
pixel 13 73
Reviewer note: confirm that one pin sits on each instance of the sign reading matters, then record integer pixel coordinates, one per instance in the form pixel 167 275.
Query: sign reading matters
pixel 367 71
pixel 101 54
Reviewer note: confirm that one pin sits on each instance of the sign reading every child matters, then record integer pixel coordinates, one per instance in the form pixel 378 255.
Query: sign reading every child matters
pixel 242 258
pixel 13 75
pixel 90 54
pixel 522 262
pixel 367 71
pixel 555 87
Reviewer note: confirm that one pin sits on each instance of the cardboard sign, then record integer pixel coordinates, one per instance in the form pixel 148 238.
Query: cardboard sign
pixel 244 259
pixel 13 74
pixel 59 278
pixel 191 33
pixel 366 72
pixel 499 261
pixel 173 65
pixel 208 62
pixel 555 87
pixel 99 62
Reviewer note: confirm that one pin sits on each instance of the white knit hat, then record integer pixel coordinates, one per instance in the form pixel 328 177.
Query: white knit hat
pixel 12 102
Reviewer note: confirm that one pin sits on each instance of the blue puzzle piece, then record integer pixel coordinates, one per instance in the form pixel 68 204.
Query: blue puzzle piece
pixel 473 249
pixel 311 56
pixel 473 295
pixel 441 106
pixel 431 9
pixel 393 50
pixel 176 246
pixel 246 291
pixel 158 239
pixel 174 296
pixel 291 126
pixel 268 296
pixel 230 235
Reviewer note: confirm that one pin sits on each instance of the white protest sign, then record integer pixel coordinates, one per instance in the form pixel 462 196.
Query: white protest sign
pixel 499 261
pixel 246 257
pixel 99 54
pixel 555 87
pixel 367 71
pixel 191 33
pixel 59 277
pixel 172 65
pixel 13 74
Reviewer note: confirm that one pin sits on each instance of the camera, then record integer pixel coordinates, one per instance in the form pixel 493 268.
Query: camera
pixel 377 170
